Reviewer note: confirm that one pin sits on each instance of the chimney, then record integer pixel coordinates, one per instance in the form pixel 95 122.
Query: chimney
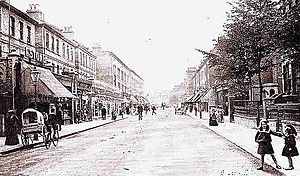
pixel 97 49
pixel 34 12
pixel 68 32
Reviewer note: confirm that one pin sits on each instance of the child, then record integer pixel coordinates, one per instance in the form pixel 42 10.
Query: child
pixel 289 150
pixel 263 138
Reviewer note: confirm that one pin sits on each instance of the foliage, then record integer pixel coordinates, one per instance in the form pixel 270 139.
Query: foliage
pixel 249 42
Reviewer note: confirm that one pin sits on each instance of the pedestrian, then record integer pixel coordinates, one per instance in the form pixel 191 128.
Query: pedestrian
pixel 153 109
pixel 103 113
pixel 146 108
pixel 263 138
pixel 12 127
pixel 290 150
pixel 114 114
pixel 121 112
pixel 59 116
pixel 213 118
pixel 195 109
pixel 140 111
pixel 127 110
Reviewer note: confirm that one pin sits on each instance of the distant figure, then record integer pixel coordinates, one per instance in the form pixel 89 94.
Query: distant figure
pixel 121 112
pixel 103 113
pixel 153 110
pixel 140 111
pixel 59 116
pixel 127 110
pixel 213 118
pixel 195 109
pixel 146 108
pixel 11 130
pixel 163 105
pixel 114 114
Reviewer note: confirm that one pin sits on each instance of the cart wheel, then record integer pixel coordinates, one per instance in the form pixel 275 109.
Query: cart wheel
pixel 46 138
pixel 55 137
pixel 24 138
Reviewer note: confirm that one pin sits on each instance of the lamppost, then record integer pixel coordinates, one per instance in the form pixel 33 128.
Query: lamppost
pixel 35 74
pixel 14 56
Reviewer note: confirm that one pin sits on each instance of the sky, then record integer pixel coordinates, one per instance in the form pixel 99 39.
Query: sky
pixel 155 38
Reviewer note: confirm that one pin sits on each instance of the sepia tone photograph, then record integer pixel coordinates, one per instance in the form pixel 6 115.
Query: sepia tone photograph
pixel 149 87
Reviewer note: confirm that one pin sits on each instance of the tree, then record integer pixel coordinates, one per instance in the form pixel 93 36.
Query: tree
pixel 250 40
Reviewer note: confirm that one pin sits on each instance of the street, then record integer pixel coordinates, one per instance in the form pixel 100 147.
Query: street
pixel 162 144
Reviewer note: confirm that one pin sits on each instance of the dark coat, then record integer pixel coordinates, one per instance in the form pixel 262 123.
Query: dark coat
pixel 263 138
pixel 103 112
pixel 140 109
pixel 213 120
pixel 290 148
pixel 11 132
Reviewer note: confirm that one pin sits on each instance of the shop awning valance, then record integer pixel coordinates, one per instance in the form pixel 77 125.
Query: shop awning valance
pixel 54 86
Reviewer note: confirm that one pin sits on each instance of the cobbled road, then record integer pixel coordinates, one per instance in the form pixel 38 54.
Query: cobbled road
pixel 162 144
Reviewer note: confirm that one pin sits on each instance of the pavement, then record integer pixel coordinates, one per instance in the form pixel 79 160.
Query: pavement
pixel 66 130
pixel 243 137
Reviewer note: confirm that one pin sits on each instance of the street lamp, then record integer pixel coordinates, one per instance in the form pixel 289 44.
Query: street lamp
pixel 35 74
pixel 14 56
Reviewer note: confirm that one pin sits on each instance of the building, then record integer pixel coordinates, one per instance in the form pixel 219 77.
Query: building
pixel 113 71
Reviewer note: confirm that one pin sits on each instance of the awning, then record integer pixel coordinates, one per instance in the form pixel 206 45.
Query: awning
pixel 54 86
pixel 134 100
pixel 207 96
pixel 191 98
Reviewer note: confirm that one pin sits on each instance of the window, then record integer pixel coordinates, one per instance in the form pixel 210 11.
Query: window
pixel 115 81
pixel 57 69
pixel 118 73
pixel 63 50
pixel 114 69
pixel 72 56
pixel 53 67
pixel 52 43
pixel 68 55
pixel 86 61
pixel 12 26
pixel 47 40
pixel 81 58
pixel 28 34
pixel 21 26
pixel 57 46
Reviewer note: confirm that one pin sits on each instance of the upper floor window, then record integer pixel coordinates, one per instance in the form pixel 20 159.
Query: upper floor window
pixel 114 69
pixel 63 50
pixel 57 46
pixel 21 28
pixel 68 54
pixel 28 34
pixel 118 73
pixel 72 54
pixel 47 40
pixel 81 58
pixel 52 43
pixel 12 26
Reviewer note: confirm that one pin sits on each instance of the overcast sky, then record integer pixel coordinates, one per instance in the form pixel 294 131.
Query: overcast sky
pixel 156 38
